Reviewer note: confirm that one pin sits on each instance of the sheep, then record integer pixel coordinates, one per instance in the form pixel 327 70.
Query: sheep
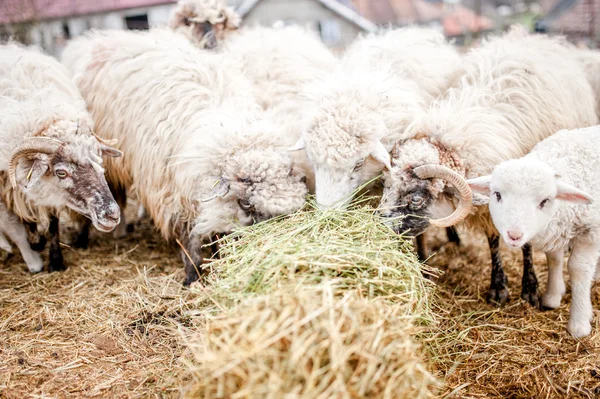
pixel 546 199
pixel 368 105
pixel 590 60
pixel 517 90
pixel 204 22
pixel 49 156
pixel 200 154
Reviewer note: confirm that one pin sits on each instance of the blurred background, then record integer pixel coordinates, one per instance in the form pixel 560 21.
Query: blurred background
pixel 50 23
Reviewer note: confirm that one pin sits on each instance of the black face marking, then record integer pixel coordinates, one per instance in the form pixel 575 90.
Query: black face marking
pixel 411 209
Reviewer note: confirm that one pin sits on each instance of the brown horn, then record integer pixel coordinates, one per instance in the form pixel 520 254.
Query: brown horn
pixel 32 145
pixel 465 195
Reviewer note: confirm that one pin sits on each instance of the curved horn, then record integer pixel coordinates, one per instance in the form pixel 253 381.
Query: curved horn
pixel 464 191
pixel 33 145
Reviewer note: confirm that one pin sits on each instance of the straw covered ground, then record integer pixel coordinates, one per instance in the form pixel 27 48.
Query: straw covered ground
pixel 118 324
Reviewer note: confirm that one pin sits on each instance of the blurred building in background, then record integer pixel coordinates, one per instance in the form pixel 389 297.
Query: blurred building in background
pixel 50 23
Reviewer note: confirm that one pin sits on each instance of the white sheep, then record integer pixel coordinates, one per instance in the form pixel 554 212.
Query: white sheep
pixel 199 153
pixel 369 104
pixel 204 22
pixel 49 155
pixel 518 89
pixel 546 199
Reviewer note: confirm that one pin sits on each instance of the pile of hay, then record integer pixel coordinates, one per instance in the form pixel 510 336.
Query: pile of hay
pixel 317 304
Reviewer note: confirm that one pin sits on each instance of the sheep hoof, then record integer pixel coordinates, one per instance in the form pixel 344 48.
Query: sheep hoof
pixel 550 302
pixel 532 298
pixel 497 296
pixel 579 329
pixel 56 263
pixel 39 245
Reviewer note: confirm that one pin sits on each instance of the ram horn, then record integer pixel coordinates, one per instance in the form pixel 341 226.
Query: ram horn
pixel 33 145
pixel 465 196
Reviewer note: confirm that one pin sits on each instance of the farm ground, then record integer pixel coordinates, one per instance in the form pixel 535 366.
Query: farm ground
pixel 114 325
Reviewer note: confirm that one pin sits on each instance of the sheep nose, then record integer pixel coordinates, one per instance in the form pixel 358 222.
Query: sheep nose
pixel 515 235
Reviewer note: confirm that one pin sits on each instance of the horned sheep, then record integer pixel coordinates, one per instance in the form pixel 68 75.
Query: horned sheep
pixel 200 154
pixel 204 22
pixel 50 158
pixel 517 90
pixel 547 199
pixel 370 103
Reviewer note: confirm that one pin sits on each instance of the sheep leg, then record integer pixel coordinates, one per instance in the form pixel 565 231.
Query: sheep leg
pixel 529 282
pixel 555 289
pixel 83 236
pixel 36 240
pixel 55 253
pixel 497 294
pixel 453 235
pixel 120 195
pixel 4 244
pixel 421 244
pixel 581 266
pixel 192 259
pixel 16 232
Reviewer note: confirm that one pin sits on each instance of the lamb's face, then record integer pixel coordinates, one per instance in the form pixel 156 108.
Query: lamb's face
pixel 409 202
pixel 523 198
pixel 71 175
pixel 346 152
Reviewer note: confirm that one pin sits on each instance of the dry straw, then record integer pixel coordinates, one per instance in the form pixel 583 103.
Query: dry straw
pixel 324 306
pixel 310 344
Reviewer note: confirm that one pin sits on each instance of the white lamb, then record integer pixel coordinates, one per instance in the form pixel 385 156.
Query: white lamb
pixel 380 92
pixel 50 158
pixel 518 89
pixel 200 154
pixel 547 199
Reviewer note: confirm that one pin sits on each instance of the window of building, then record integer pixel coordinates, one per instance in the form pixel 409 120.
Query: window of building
pixel 137 22
pixel 66 31
pixel 330 31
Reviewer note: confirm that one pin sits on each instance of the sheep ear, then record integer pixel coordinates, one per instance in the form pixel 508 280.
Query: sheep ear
pixel 381 154
pixel 480 185
pixel 300 145
pixel 568 193
pixel 110 152
pixel 219 190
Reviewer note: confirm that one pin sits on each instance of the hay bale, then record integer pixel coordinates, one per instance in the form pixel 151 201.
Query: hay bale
pixel 311 343
pixel 350 248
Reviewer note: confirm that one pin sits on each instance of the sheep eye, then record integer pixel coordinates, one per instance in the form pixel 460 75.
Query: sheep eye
pixel 543 203
pixel 61 173
pixel 359 165
pixel 417 201
pixel 245 205
pixel 498 196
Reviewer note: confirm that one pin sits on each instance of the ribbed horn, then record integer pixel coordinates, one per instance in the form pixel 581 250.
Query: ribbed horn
pixel 465 196
pixel 32 145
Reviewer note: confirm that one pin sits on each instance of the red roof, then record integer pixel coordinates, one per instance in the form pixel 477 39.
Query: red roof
pixel 25 10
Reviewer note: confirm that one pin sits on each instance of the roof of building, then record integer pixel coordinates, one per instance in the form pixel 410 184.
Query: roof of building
pixel 456 19
pixel 12 11
pixel 335 6
pixel 570 16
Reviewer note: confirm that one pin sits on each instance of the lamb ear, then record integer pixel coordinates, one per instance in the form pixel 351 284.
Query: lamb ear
pixel 480 185
pixel 569 193
pixel 220 189
pixel 381 154
pixel 110 152
pixel 300 145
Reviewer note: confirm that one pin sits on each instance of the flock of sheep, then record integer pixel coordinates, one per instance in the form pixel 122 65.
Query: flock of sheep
pixel 213 127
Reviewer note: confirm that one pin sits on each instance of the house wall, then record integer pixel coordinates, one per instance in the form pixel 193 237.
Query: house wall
pixel 51 35
pixel 308 13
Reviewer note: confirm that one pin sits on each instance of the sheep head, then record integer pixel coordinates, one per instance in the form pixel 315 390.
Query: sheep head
pixel 419 187
pixel 205 22
pixel 523 198
pixel 255 185
pixel 63 167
